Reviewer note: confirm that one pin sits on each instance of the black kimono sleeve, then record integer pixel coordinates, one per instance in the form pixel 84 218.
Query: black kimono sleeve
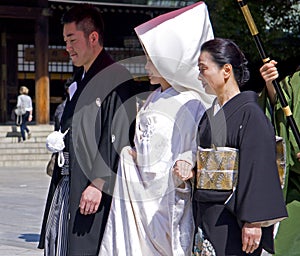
pixel 117 117
pixel 258 196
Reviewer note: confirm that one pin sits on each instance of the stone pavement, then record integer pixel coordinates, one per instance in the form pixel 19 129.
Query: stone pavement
pixel 22 198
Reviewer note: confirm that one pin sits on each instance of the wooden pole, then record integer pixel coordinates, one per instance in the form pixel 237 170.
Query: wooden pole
pixel 3 78
pixel 285 107
pixel 42 87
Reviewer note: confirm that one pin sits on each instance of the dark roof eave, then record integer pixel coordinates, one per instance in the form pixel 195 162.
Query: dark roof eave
pixel 113 4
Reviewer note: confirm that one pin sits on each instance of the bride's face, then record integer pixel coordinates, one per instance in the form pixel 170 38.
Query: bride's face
pixel 153 74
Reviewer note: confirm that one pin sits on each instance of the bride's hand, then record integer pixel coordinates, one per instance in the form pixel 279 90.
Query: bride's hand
pixel 133 153
pixel 183 170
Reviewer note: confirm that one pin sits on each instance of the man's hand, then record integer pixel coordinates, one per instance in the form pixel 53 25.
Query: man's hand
pixel 90 200
pixel 251 235
pixel 298 156
pixel 269 72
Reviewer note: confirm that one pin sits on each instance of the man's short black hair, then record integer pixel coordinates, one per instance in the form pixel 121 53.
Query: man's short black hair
pixel 87 18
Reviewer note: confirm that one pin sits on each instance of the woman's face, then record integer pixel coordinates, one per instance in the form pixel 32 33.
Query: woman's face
pixel 211 75
pixel 153 74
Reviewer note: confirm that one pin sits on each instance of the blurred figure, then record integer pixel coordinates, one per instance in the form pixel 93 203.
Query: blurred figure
pixel 287 240
pixel 60 108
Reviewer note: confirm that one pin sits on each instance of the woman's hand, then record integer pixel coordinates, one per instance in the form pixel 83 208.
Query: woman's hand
pixel 183 170
pixel 251 236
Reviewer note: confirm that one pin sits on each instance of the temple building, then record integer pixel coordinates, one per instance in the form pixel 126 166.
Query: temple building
pixel 33 51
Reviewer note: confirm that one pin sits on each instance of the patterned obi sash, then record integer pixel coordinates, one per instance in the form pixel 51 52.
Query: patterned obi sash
pixel 217 169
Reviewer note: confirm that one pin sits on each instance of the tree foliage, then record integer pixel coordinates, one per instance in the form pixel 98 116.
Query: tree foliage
pixel 277 21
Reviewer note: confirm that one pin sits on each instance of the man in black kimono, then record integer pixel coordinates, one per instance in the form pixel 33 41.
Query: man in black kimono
pixel 96 121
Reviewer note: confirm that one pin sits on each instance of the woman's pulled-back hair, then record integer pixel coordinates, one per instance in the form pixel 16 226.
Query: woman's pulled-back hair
pixel 225 51
pixel 24 90
pixel 87 18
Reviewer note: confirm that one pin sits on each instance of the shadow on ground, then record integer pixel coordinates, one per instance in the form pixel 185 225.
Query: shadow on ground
pixel 30 237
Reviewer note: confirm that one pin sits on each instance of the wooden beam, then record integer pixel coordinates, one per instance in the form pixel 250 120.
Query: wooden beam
pixel 3 77
pixel 20 12
pixel 42 87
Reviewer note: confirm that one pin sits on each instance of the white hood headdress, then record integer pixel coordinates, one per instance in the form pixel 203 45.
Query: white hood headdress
pixel 173 41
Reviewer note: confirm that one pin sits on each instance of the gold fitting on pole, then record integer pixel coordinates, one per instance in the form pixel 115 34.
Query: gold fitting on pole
pixel 287 111
pixel 249 20
pixel 266 60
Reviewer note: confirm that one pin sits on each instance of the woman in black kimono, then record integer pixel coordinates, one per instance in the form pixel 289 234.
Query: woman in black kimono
pixel 237 220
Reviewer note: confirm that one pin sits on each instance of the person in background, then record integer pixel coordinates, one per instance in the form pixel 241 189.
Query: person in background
pixel 60 108
pixel 287 239
pixel 24 103
pixel 57 117
pixel 236 219
pixel 95 123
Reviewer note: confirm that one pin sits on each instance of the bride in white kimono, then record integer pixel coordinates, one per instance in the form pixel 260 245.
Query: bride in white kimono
pixel 151 212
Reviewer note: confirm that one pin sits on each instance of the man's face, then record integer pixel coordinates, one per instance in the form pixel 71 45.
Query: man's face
pixel 77 45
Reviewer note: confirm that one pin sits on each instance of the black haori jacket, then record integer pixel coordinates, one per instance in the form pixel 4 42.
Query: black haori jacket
pixel 99 117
